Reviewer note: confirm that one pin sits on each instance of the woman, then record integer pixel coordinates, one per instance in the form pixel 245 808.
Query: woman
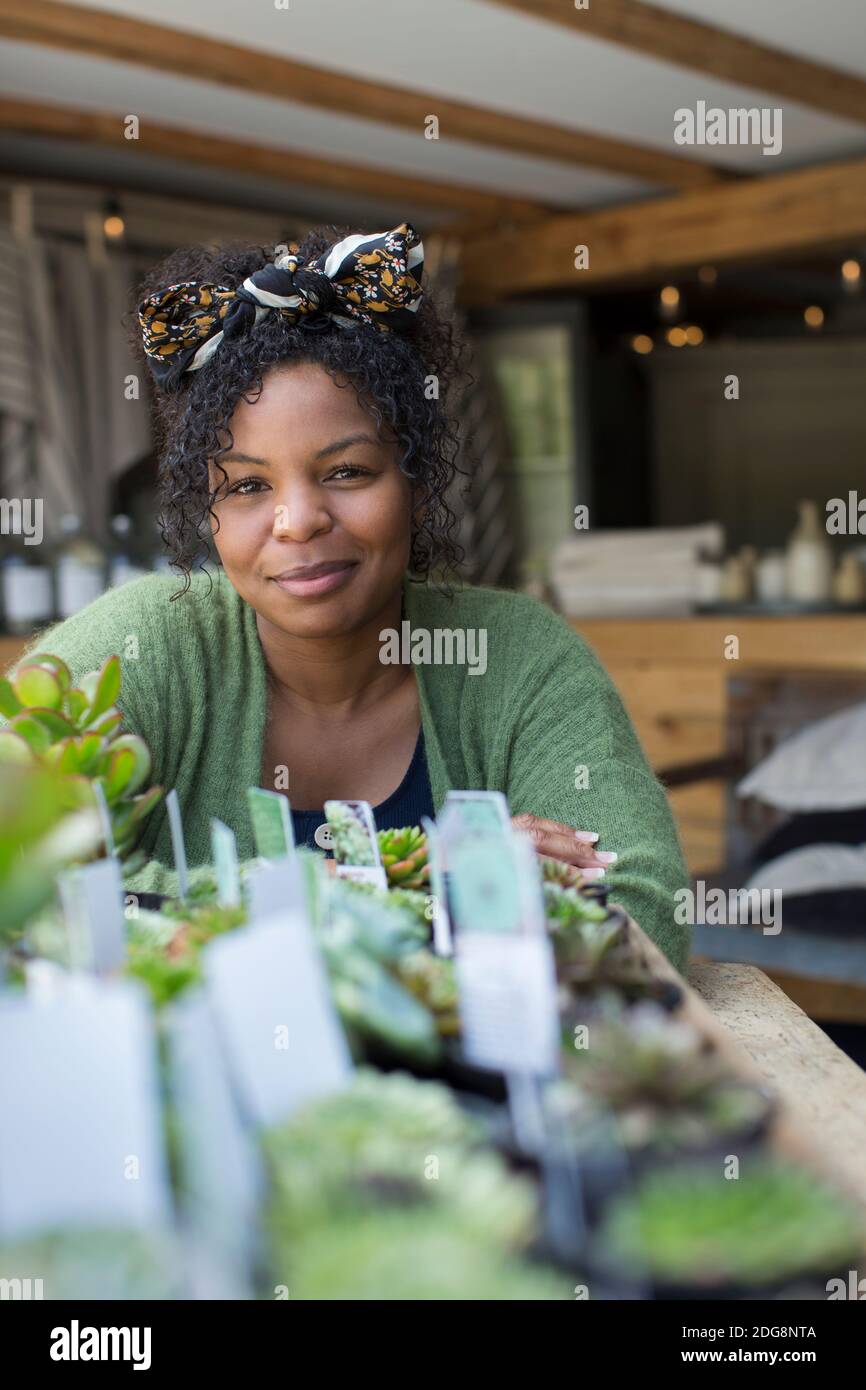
pixel 304 430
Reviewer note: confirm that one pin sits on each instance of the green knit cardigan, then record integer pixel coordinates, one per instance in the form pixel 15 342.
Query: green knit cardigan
pixel 543 724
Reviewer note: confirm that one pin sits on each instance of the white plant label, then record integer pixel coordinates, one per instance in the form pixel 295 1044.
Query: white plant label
pixel 92 900
pixel 86 1146
pixel 273 1008
pixel 225 858
pixel 178 844
pixel 508 1013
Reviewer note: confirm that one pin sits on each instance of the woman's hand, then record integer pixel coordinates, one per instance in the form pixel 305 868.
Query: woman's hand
pixel 559 841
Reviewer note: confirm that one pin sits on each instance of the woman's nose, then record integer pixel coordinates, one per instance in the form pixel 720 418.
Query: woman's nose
pixel 300 515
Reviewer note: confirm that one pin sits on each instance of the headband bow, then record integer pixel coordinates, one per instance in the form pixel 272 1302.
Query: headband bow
pixel 363 279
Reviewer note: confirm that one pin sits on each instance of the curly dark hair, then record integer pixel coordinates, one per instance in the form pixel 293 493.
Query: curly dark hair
pixel 389 371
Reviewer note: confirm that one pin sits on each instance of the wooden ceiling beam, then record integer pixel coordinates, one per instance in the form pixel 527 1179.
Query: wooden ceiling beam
pixel 100 33
pixel 689 43
pixel 785 214
pixel 104 128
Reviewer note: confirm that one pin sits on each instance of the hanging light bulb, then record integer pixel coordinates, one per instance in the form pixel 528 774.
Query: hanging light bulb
pixel 694 335
pixel 852 276
pixel 814 316
pixel 677 337
pixel 113 225
pixel 642 343
pixel 669 301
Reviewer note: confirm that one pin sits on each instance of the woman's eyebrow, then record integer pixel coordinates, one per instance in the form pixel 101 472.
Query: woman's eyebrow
pixel 236 457
pixel 339 444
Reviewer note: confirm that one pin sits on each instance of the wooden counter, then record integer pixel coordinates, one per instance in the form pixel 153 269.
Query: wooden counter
pixel 672 674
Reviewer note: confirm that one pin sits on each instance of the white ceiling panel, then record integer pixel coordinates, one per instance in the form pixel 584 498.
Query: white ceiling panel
pixel 68 79
pixel 480 52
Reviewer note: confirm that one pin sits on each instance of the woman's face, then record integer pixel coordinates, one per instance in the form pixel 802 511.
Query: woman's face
pixel 314 522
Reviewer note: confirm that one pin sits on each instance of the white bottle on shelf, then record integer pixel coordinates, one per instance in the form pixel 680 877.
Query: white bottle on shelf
pixel 79 568
pixel 809 561
pixel 28 599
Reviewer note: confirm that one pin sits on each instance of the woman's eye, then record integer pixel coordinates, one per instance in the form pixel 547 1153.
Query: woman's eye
pixel 247 487
pixel 348 470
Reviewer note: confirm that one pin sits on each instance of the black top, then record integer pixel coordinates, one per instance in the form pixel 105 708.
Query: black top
pixel 405 806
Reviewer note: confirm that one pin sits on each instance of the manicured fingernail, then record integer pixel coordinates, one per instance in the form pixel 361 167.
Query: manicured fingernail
pixel 606 856
pixel 592 873
pixel 588 837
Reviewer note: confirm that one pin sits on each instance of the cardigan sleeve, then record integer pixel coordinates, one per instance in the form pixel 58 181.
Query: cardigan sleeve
pixel 574 757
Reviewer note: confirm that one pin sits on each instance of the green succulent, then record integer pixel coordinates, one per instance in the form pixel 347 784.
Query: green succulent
pixel 75 730
pixel 388 1255
pixel 95 1263
pixel 376 1191
pixel 404 856
pixel 42 831
pixel 433 980
pixel 666 1086
pixel 693 1226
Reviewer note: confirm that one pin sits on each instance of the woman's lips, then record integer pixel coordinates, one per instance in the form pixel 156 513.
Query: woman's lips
pixel 320 579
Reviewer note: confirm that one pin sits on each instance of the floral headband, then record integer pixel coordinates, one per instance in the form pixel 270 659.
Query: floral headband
pixel 363 279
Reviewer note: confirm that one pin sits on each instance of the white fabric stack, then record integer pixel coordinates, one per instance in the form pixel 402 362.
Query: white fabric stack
pixel 631 574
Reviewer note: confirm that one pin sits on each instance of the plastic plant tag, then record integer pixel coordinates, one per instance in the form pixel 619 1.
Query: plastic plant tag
pixel 443 944
pixel 86 1144
pixel 507 992
pixel 221 1177
pixel 275 887
pixel 484 883
pixel 355 843
pixel 92 899
pixel 178 844
pixel 104 816
pixel 271 816
pixel 273 1008
pixel 477 810
pixel 225 857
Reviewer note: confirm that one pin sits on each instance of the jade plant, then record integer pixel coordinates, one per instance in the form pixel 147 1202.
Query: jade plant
pixel 693 1227
pixel 43 830
pixel 75 729
pixel 668 1088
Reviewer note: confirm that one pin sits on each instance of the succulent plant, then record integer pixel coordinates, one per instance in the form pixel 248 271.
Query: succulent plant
pixel 351 841
pixel 404 856
pixel 433 980
pixel 95 1263
pixel 75 730
pixel 377 1190
pixel 42 831
pixel 691 1226
pixel 668 1087
pixel 556 871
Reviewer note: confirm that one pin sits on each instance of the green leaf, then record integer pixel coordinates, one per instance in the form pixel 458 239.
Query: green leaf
pixel 105 723
pixel 108 687
pixel 10 705
pixel 60 669
pixel 34 733
pixel 121 767
pixel 145 803
pixel 38 685
pixel 57 726
pixel 141 753
pixel 89 749
pixel 14 749
pixel 77 704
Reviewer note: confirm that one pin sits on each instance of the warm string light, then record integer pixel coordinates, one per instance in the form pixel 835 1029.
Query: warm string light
pixel 685 335
pixel 642 343
pixel 814 316
pixel 114 227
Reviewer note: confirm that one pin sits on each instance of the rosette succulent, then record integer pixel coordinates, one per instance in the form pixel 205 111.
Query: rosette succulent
pixel 75 730
pixel 404 856
pixel 690 1226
